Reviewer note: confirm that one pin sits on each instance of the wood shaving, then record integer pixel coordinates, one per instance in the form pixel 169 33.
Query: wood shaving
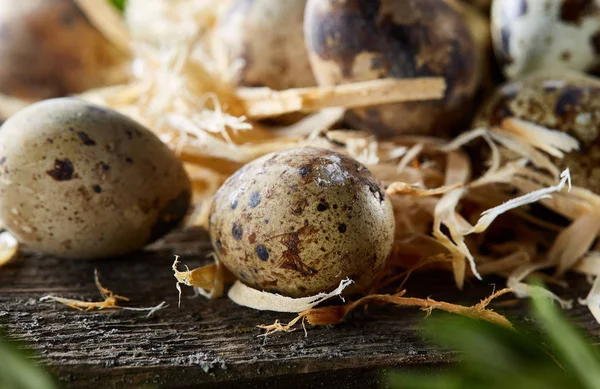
pixel 336 314
pixel 111 301
pixel 264 301
pixel 208 281
pixel 265 102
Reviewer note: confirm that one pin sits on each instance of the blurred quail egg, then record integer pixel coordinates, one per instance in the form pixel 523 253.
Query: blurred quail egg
pixel 566 101
pixel 50 49
pixel 360 40
pixel 263 41
pixel 532 35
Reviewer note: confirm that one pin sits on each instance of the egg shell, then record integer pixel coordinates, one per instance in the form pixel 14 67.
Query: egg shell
pixel 360 40
pixel 297 222
pixel 531 35
pixel 264 39
pixel 50 49
pixel 81 181
pixel 563 100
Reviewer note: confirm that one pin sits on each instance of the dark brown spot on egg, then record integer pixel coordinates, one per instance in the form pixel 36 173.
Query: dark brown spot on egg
pixel 299 207
pixel 254 200
pixel 291 256
pixel 129 160
pixel 595 42
pixel 237 231
pixel 574 11
pixel 62 170
pixel 565 55
pixel 567 101
pixel 322 206
pixel 170 215
pixel 97 188
pixel 501 108
pixel 503 55
pixel 261 252
pixel 252 238
pixel 374 189
pixel 85 139
pixel 342 228
pixel 305 170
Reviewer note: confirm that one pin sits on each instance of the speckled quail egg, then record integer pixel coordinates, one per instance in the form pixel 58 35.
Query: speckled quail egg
pixel 49 49
pixel 81 181
pixel 532 35
pixel 566 101
pixel 360 40
pixel 297 222
pixel 263 40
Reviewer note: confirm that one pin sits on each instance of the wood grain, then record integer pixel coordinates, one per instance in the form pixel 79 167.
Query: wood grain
pixel 213 343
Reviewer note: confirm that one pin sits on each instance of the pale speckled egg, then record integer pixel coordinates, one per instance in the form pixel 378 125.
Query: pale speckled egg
pixel 263 41
pixel 563 100
pixel 81 181
pixel 532 35
pixel 361 40
pixel 299 221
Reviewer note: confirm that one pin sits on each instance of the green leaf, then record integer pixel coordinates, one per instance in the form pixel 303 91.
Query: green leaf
pixel 571 348
pixel 495 357
pixel 118 4
pixel 18 371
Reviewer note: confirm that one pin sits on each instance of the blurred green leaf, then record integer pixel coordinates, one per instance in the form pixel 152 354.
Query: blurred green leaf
pixel 118 4
pixel 17 369
pixel 494 357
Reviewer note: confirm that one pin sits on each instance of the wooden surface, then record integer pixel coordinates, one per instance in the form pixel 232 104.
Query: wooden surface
pixel 213 343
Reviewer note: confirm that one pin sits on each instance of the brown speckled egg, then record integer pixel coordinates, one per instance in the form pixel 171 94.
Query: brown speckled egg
pixel 360 40
pixel 531 35
pixel 566 101
pixel 265 39
pixel 50 49
pixel 297 222
pixel 81 181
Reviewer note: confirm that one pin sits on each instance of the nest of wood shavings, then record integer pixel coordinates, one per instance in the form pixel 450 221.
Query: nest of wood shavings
pixel 446 217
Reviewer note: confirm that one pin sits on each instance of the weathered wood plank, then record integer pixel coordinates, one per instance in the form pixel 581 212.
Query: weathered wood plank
pixel 210 342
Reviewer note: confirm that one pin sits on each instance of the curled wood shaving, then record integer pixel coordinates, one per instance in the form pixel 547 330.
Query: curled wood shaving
pixel 208 281
pixel 593 299
pixel 265 301
pixel 9 246
pixel 111 301
pixel 556 143
pixel 573 242
pixel 446 215
pixel 402 188
pixel 336 314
